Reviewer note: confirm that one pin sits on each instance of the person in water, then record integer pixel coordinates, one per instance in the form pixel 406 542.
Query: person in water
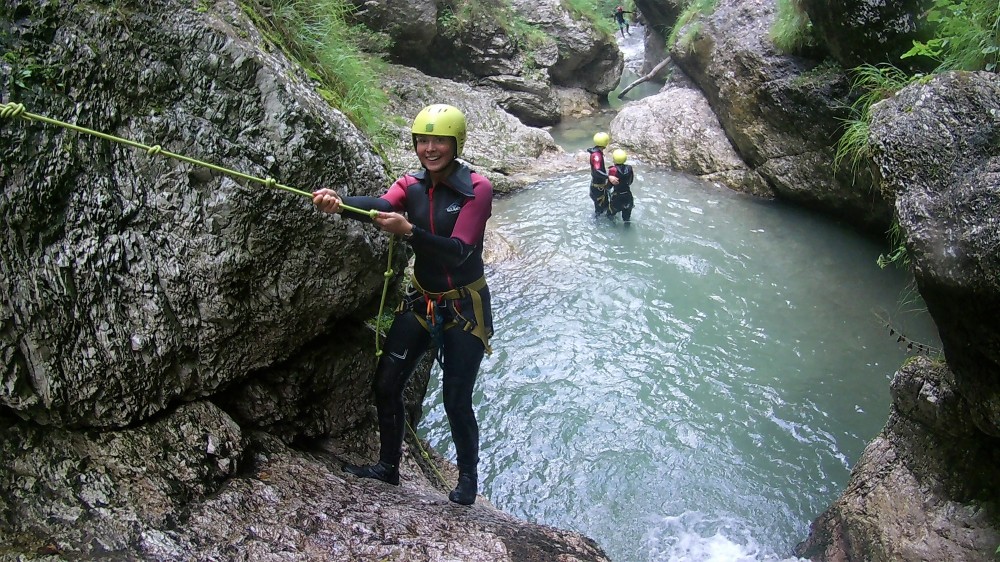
pixel 621 176
pixel 623 24
pixel 441 212
pixel 598 173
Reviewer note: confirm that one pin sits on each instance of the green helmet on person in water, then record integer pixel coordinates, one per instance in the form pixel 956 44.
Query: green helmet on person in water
pixel 601 139
pixel 619 156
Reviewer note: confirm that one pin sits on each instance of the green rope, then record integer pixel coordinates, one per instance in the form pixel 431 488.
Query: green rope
pixel 427 456
pixel 381 305
pixel 15 110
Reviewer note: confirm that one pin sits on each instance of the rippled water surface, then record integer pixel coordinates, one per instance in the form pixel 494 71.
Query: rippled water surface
pixel 696 386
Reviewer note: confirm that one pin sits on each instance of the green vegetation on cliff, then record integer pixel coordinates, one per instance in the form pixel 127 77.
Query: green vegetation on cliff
pixel 689 15
pixel 316 34
pixel 966 35
pixel 792 29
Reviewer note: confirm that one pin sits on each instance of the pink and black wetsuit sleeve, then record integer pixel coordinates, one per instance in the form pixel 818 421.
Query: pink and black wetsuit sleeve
pixel 449 224
pixel 598 174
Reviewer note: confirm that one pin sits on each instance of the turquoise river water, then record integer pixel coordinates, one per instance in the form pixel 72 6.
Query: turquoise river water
pixel 696 386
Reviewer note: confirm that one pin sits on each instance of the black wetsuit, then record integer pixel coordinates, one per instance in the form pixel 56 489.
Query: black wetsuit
pixel 623 25
pixel 622 200
pixel 448 305
pixel 598 180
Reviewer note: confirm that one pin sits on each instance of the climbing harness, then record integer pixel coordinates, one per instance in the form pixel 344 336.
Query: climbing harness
pixel 15 110
pixel 434 323
pixel 601 195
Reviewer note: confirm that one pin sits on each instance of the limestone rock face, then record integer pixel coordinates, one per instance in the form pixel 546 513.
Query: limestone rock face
pixel 478 47
pixel 658 17
pixel 935 146
pixel 134 281
pixel 926 487
pixel 856 32
pixel 306 508
pixel 587 58
pixel 87 492
pixel 499 145
pixel 168 329
pixel 782 114
pixel 412 25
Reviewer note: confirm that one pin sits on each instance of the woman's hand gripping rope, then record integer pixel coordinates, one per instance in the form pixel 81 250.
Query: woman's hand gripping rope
pixel 328 201
pixel 15 110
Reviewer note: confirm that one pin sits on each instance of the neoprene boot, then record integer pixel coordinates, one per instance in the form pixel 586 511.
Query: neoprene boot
pixel 466 489
pixel 379 471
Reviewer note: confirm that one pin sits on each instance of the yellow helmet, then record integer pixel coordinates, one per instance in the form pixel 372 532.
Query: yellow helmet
pixel 601 139
pixel 620 156
pixel 443 121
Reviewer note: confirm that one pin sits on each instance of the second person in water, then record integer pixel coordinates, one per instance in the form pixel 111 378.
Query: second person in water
pixel 621 176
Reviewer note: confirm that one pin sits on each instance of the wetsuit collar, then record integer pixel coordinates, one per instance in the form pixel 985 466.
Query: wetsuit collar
pixel 460 180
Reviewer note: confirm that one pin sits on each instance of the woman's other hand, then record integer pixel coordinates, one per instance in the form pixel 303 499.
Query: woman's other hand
pixel 394 223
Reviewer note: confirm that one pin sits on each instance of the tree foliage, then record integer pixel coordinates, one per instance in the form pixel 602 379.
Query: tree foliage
pixel 966 35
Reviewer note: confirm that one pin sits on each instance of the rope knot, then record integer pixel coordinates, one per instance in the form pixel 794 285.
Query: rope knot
pixel 154 150
pixel 11 109
pixel 270 182
pixel 388 273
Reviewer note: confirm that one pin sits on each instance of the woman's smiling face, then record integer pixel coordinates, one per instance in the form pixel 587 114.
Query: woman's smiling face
pixel 435 152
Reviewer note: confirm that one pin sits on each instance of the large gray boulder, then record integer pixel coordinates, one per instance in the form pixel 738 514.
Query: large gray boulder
pixel 857 32
pixel 167 330
pixel 926 488
pixel 677 129
pixel 783 114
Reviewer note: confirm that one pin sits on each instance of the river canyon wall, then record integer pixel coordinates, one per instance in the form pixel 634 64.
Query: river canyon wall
pixel 186 359
pixel 925 488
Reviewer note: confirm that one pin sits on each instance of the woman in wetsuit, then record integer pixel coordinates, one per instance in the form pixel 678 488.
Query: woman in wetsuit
pixel 441 212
